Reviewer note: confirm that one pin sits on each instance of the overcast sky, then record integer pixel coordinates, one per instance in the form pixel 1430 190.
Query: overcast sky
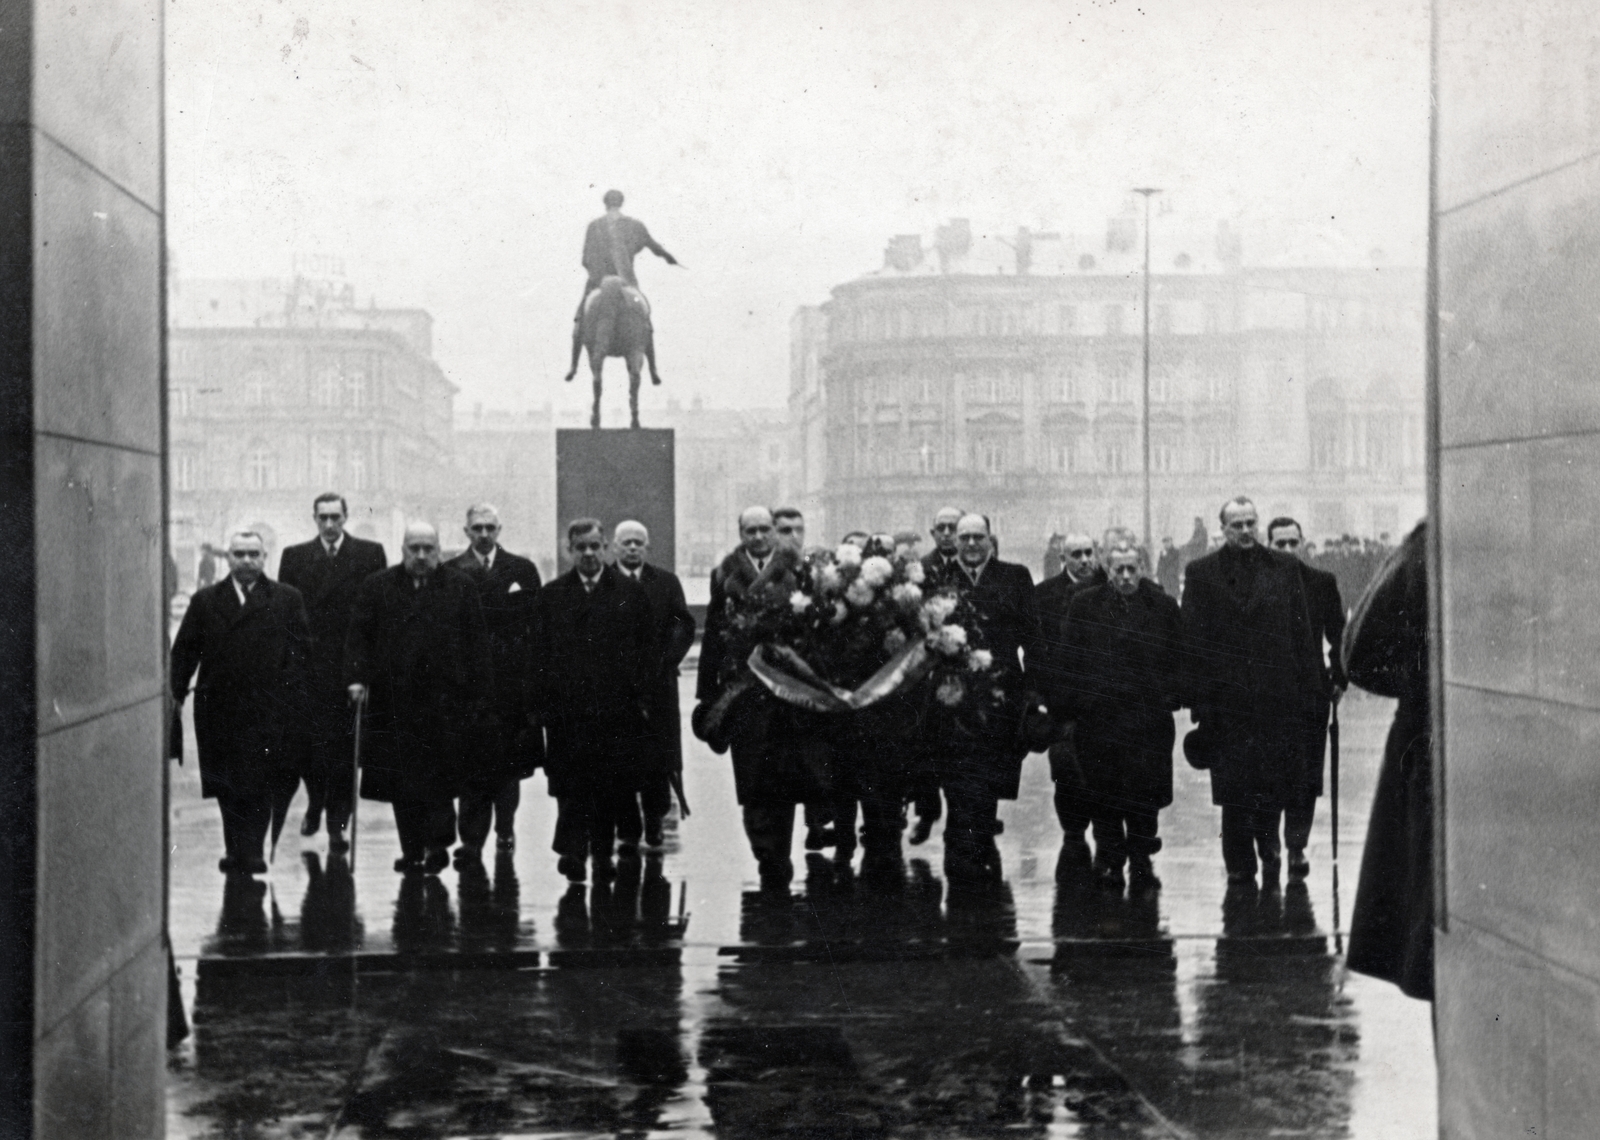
pixel 452 153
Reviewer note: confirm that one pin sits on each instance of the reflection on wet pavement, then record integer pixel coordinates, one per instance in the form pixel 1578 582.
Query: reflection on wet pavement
pixel 675 999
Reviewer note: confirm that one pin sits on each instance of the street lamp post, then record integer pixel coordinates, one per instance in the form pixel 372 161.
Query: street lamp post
pixel 1149 540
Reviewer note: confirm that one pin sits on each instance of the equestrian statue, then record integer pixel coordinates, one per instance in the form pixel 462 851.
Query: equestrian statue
pixel 613 319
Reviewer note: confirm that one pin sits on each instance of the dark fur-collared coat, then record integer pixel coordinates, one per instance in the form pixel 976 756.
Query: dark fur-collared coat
pixel 508 747
pixel 251 697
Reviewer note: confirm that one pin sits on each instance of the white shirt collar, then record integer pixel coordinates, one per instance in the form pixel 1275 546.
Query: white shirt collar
pixel 634 574
pixel 487 562
pixel 589 582
pixel 337 546
pixel 240 590
pixel 759 563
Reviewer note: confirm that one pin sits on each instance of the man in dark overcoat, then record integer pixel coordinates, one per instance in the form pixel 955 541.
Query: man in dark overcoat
pixel 674 635
pixel 780 759
pixel 1386 652
pixel 596 663
pixel 1080 571
pixel 247 635
pixel 509 748
pixel 1327 634
pixel 328 571
pixel 1123 666
pixel 940 563
pixel 922 787
pixel 1251 669
pixel 983 765
pixel 418 651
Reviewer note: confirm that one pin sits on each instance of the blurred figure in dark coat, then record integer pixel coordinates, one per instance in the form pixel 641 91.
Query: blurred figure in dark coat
pixel 1123 666
pixel 596 663
pixel 1169 568
pixel 510 747
pixel 247 636
pixel 1252 671
pixel 328 571
pixel 1326 610
pixel 1386 652
pixel 419 650
pixel 674 634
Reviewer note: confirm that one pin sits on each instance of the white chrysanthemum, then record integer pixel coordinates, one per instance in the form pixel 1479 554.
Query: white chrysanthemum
pixel 914 572
pixel 839 613
pixel 980 660
pixel 948 639
pixel 907 596
pixel 799 600
pixel 950 691
pixel 894 641
pixel 877 570
pixel 859 594
pixel 848 555
pixel 830 580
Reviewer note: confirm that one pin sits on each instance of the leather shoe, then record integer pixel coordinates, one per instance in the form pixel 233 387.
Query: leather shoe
pixel 819 837
pixel 465 855
pixel 408 866
pixel 311 822
pixel 506 843
pixel 1299 866
pixel 573 868
pixel 436 860
pixel 652 833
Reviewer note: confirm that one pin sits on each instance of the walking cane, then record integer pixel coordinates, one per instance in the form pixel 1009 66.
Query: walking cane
pixel 1333 773
pixel 355 779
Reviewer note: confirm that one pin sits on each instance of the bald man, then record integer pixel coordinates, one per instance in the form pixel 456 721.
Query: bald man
pixel 418 651
pixel 940 562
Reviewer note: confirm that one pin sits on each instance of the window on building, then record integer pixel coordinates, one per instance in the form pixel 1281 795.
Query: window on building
pixel 261 469
pixel 1216 387
pixel 1326 451
pixel 326 388
pixel 1113 320
pixel 1163 457
pixel 257 389
pixel 355 389
pixel 1383 442
pixel 1114 455
pixel 185 471
pixel 1212 317
pixel 1064 455
pixel 180 401
pixel 1162 320
pixel 1010 322
pixel 1212 457
pixel 1067 320
pixel 1160 386
pixel 925 458
pixel 358 471
pixel 325 469
pixel 989 456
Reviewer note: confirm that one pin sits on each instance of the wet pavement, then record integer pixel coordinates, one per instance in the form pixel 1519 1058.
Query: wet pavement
pixel 677 1001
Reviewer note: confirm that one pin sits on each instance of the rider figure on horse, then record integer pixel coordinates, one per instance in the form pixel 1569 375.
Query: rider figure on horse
pixel 609 247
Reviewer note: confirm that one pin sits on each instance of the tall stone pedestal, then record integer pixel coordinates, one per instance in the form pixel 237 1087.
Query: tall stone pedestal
pixel 617 474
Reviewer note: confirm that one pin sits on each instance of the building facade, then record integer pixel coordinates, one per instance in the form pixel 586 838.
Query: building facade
pixel 280 390
pixel 1006 376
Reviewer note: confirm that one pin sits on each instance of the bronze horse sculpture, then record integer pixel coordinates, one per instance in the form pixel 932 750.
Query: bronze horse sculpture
pixel 616 322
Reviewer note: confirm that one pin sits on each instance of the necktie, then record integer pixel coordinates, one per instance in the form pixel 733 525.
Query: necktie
pixel 333 551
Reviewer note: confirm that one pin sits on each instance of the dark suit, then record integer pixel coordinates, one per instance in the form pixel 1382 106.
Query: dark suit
pixel 597 660
pixel 329 587
pixel 1054 598
pixel 507 750
pixel 937 569
pixel 1326 610
pixel 250 701
pixel 1123 661
pixel 980 765
pixel 423 652
pixel 1252 670
pixel 674 633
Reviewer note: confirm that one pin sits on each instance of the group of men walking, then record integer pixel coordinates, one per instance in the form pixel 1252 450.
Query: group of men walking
pixel 467 675
pixel 1093 662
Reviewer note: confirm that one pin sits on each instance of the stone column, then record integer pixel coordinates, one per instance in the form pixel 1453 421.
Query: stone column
pixel 82 805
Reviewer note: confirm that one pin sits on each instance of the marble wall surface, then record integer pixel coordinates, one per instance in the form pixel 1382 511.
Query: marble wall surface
pixel 1517 216
pixel 80 242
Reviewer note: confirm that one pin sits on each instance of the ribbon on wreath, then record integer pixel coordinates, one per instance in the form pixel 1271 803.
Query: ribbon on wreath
pixel 787 677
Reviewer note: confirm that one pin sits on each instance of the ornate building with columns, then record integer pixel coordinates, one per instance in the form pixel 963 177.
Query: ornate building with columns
pixel 1004 374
